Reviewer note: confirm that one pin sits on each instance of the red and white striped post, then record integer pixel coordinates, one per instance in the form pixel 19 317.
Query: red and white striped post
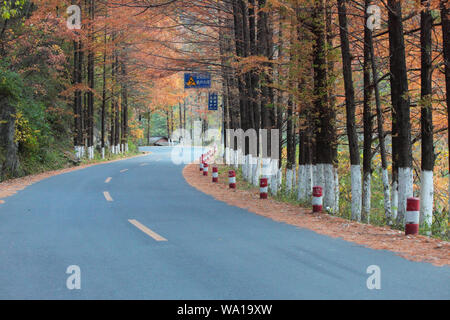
pixel 232 179
pixel 201 163
pixel 412 216
pixel 205 169
pixel 215 174
pixel 263 188
pixel 317 201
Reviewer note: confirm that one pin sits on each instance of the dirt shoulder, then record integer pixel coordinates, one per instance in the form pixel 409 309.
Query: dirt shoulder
pixel 10 187
pixel 415 248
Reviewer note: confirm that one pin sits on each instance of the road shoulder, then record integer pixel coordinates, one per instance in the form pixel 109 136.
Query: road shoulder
pixel 414 248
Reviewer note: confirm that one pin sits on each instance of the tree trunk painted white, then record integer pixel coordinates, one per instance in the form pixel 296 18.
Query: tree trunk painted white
pixel 244 168
pixel 81 152
pixel 394 201
pixel 319 175
pixel 356 192
pixel 266 168
pixel 337 190
pixel 250 169
pixel 274 179
pixel 329 199
pixel 103 153
pixel 236 159
pixel 294 179
pixel 301 190
pixel 256 172
pixel 289 179
pixel 367 195
pixel 405 190
pixel 387 194
pixel 426 198
pixel 309 182
pixel 279 177
pixel 126 147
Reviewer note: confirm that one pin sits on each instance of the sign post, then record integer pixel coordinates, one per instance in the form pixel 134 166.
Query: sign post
pixel 213 102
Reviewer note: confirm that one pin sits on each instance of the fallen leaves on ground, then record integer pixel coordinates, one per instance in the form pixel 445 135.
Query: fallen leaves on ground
pixel 415 248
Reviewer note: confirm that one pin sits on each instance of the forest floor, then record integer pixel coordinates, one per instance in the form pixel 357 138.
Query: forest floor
pixel 12 186
pixel 415 248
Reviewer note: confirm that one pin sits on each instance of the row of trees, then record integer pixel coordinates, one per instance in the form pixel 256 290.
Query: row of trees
pixel 344 96
pixel 300 66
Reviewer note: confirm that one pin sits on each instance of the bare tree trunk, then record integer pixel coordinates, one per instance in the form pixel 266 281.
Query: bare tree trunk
pixel 428 157
pixel 368 125
pixel 350 111
pixel 381 135
pixel 91 83
pixel 445 14
pixel 401 107
pixel 325 121
pixel 103 115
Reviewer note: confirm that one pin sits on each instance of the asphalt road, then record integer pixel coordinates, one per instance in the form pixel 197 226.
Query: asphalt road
pixel 211 250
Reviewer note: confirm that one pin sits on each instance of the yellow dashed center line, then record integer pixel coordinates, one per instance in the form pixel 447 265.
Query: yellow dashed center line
pixel 107 196
pixel 2 201
pixel 147 231
pixel 108 180
pixel 124 170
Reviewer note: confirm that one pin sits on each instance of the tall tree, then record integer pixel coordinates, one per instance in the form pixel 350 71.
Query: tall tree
pixel 445 16
pixel 402 152
pixel 350 112
pixel 91 79
pixel 325 130
pixel 368 123
pixel 428 157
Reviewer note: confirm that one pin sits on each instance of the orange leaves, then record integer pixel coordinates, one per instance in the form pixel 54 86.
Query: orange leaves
pixel 259 64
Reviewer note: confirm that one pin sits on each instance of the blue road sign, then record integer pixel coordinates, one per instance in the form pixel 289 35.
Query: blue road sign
pixel 197 80
pixel 213 102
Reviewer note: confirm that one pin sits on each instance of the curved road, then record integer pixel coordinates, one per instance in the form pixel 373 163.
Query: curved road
pixel 212 250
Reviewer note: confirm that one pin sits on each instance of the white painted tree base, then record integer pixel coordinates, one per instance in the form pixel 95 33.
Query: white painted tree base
pixel 257 172
pixel 294 179
pixel 367 196
pixel 337 190
pixel 289 178
pixel 301 190
pixel 309 182
pixel 356 192
pixel 387 194
pixel 426 198
pixel 329 199
pixel 318 175
pixel 405 190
